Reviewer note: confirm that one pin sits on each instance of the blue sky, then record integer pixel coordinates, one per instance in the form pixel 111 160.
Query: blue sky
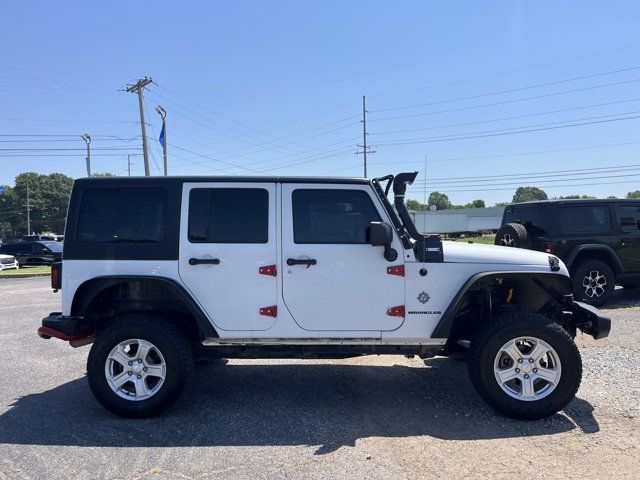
pixel 275 88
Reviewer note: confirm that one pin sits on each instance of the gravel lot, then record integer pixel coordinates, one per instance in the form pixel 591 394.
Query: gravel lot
pixel 373 417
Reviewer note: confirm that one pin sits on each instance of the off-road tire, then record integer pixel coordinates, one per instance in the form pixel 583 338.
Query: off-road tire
pixel 488 342
pixel 513 235
pixel 581 271
pixel 166 337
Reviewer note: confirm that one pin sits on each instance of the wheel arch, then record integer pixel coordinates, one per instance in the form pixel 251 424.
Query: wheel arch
pixel 595 251
pixel 107 296
pixel 532 290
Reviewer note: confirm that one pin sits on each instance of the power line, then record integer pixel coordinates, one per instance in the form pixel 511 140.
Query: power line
pixel 548 187
pixel 504 102
pixel 475 135
pixel 502 92
pixel 507 72
pixel 507 118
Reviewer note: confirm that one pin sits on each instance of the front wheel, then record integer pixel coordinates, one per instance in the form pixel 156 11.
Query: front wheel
pixel 138 366
pixel 525 365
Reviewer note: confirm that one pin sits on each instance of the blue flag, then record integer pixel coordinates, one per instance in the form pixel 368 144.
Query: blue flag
pixel 162 136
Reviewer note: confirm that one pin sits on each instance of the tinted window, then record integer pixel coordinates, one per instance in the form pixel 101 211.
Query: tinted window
pixel 53 246
pixel 16 248
pixel 122 215
pixel 534 218
pixel 332 216
pixel 585 219
pixel 629 217
pixel 229 215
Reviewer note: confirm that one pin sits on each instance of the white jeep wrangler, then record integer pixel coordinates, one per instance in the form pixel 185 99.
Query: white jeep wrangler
pixel 157 271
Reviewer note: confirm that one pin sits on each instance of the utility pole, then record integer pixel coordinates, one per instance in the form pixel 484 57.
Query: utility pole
pixel 365 149
pixel 28 205
pixel 129 164
pixel 87 139
pixel 138 88
pixel 163 135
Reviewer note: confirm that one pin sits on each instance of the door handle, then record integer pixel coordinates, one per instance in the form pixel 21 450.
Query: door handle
pixel 204 261
pixel 304 261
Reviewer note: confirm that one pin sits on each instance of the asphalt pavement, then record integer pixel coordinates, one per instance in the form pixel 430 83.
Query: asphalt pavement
pixel 370 417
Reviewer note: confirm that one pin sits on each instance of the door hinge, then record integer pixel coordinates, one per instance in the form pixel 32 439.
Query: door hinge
pixel 396 270
pixel 268 270
pixel 396 311
pixel 271 311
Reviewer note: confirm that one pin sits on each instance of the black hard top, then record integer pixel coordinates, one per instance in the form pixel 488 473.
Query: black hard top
pixel 226 178
pixel 575 201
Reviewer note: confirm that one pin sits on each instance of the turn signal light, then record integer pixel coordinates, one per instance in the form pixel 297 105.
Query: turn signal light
pixel 548 247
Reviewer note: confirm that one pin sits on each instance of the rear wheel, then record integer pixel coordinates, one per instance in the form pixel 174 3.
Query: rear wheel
pixel 525 365
pixel 138 366
pixel 593 282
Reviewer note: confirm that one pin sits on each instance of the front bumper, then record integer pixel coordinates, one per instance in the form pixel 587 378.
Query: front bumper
pixel 65 328
pixel 590 320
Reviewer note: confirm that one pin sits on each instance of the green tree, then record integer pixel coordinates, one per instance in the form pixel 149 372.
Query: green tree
pixel 634 194
pixel 416 205
pixel 528 194
pixel 572 197
pixel 612 197
pixel 476 204
pixel 440 200
pixel 501 204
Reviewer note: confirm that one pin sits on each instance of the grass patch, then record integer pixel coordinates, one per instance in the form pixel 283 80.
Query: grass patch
pixel 29 270
pixel 485 239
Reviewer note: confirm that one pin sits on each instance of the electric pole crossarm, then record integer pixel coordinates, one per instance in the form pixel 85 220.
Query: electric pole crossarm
pixel 365 149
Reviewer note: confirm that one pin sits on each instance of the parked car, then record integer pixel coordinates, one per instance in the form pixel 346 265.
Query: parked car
pixel 8 262
pixel 34 253
pixel 290 267
pixel 598 240
pixel 35 238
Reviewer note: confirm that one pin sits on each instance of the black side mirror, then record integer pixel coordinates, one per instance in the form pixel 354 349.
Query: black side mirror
pixel 380 234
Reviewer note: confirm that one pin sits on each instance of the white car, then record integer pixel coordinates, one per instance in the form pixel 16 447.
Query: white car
pixel 8 262
pixel 156 270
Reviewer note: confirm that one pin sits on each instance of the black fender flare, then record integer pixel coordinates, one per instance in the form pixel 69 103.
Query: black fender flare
pixel 556 285
pixel 574 252
pixel 92 287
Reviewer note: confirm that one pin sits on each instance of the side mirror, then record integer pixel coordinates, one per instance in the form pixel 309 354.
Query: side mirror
pixel 380 234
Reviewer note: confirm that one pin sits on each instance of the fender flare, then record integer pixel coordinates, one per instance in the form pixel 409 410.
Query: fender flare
pixel 555 284
pixel 94 286
pixel 574 252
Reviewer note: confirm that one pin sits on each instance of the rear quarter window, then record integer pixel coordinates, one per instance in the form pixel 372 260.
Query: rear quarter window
pixel 534 218
pixel 121 215
pixel 585 219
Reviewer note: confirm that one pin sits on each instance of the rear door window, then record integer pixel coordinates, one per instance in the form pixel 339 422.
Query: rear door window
pixel 228 215
pixel 585 219
pixel 629 217
pixel 121 215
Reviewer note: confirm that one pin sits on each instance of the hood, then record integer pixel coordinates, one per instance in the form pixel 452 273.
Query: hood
pixel 458 252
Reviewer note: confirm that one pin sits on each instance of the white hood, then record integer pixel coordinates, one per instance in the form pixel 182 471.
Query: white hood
pixel 458 252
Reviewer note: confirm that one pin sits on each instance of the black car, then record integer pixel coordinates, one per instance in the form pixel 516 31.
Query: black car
pixel 598 240
pixel 34 253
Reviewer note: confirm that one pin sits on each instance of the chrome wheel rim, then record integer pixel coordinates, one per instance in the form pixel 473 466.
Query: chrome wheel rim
pixel 135 369
pixel 527 368
pixel 507 241
pixel 594 284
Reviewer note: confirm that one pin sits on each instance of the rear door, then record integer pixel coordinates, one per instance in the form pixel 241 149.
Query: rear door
pixel 629 251
pixel 227 246
pixel 344 284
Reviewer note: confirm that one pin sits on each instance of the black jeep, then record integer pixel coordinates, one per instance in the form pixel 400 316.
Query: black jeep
pixel 598 240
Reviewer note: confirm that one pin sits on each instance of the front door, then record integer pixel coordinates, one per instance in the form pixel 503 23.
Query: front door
pixel 227 243
pixel 333 280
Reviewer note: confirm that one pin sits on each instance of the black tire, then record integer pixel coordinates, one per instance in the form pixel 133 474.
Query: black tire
pixel 485 347
pixel 595 269
pixel 513 235
pixel 169 341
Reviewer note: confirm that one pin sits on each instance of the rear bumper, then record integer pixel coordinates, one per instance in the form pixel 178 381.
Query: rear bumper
pixel 590 320
pixel 65 328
